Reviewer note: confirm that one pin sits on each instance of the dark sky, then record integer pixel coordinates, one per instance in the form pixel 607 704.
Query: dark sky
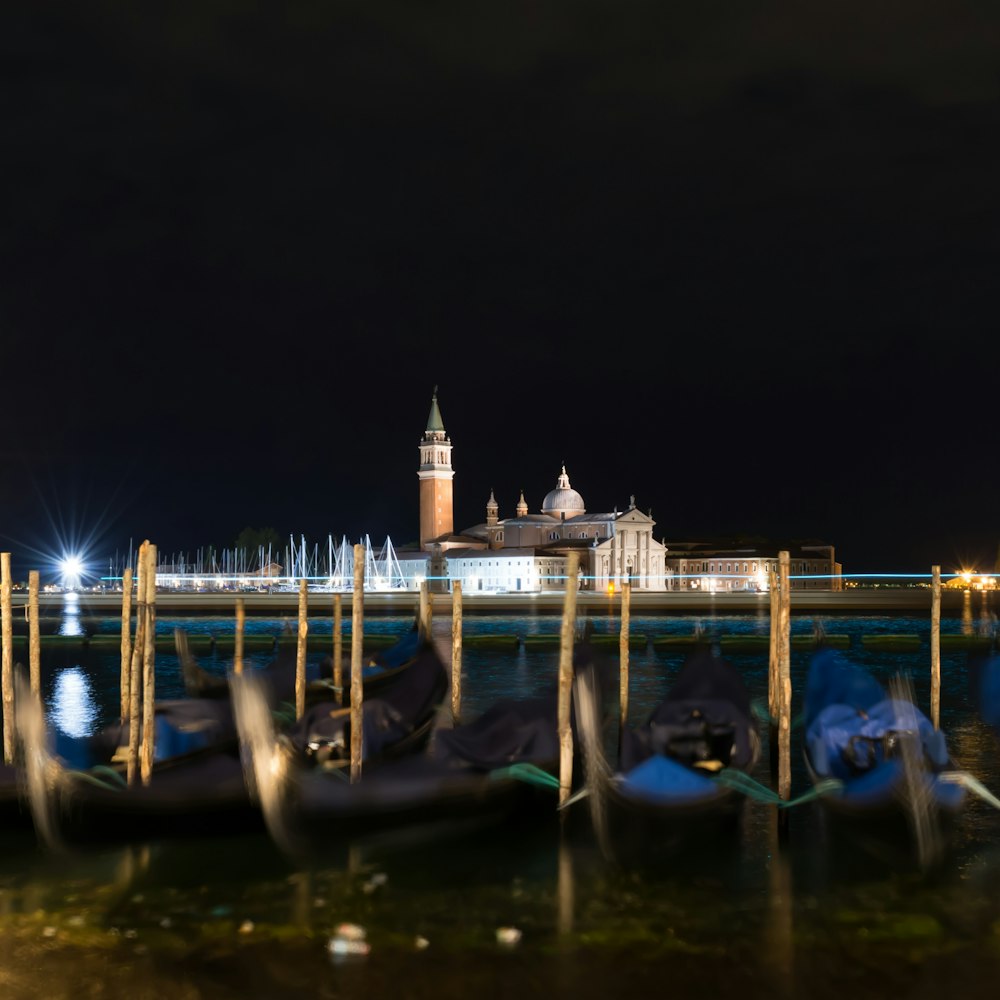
pixel 740 260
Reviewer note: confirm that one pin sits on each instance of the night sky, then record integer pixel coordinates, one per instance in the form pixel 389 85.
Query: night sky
pixel 740 260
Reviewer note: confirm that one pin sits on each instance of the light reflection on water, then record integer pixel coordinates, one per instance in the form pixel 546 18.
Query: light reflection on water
pixel 73 709
pixel 69 623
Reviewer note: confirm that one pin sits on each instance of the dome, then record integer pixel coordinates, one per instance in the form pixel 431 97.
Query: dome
pixel 563 501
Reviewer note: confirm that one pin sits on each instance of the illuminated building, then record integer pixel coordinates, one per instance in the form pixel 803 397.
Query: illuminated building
pixel 526 553
pixel 719 569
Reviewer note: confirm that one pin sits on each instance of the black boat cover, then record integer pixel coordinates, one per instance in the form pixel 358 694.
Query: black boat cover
pixel 705 717
pixel 401 708
pixel 518 731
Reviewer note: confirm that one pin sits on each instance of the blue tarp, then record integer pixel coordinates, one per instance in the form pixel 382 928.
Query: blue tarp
pixel 829 738
pixel 850 726
pixel 660 779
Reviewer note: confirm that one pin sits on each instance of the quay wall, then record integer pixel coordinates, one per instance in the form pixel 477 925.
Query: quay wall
pixel 874 601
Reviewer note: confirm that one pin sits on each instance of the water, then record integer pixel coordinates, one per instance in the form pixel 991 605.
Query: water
pixel 234 918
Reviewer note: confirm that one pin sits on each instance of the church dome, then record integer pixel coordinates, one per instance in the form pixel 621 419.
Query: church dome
pixel 563 501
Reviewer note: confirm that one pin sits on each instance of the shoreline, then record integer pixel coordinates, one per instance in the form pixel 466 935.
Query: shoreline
pixel 854 601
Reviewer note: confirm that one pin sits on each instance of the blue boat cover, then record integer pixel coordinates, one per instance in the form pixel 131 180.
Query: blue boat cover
pixel 662 780
pixel 851 726
pixel 833 681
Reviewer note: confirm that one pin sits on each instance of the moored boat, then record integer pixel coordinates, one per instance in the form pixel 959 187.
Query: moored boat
pixel 896 778
pixel 197 783
pixel 669 789
pixel 498 768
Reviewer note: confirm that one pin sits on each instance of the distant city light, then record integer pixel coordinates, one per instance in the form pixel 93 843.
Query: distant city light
pixel 71 569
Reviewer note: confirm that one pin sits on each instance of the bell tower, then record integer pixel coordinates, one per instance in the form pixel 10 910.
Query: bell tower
pixel 435 474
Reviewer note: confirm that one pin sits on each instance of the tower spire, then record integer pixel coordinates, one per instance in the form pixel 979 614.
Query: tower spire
pixel 434 421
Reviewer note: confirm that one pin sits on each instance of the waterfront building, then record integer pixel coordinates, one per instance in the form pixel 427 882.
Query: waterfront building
pixel 525 553
pixel 713 567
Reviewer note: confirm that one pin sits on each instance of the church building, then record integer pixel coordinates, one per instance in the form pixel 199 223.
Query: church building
pixel 525 553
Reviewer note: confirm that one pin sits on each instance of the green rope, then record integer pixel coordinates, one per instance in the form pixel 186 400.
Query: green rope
pixel 96 779
pixel 973 784
pixel 110 772
pixel 740 782
pixel 526 772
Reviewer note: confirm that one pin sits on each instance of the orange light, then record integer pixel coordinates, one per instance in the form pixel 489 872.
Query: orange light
pixel 611 588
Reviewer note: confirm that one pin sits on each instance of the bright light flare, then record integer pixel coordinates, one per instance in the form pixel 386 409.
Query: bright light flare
pixel 71 566
pixel 71 569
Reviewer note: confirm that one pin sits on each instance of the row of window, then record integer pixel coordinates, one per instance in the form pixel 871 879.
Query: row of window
pixel 710 567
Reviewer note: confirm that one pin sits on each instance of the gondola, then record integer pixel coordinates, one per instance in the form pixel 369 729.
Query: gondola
pixel 497 769
pixel 670 790
pixel 397 719
pixel 200 788
pixel 893 767
pixel 379 669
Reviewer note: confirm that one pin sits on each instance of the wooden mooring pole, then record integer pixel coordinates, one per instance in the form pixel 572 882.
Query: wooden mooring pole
pixel 7 658
pixel 125 682
pixel 936 646
pixel 338 648
pixel 149 668
pixel 456 651
pixel 357 639
pixel 773 684
pixel 425 613
pixel 34 637
pixel 623 637
pixel 785 680
pixel 241 627
pixel 300 649
pixel 566 677
pixel 135 669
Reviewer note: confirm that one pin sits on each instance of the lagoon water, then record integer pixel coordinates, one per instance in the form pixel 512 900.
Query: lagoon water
pixel 232 917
